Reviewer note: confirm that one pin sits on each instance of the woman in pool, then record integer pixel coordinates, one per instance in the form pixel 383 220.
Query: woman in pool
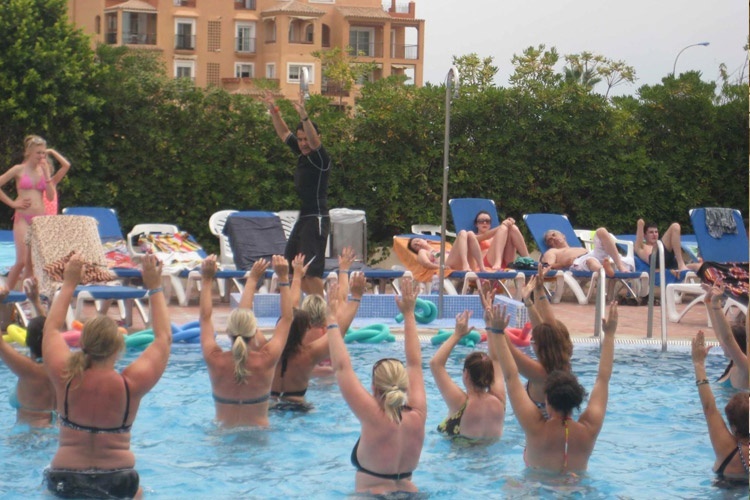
pixel 730 444
pixel 558 443
pixel 299 358
pixel 34 395
pixel 550 340
pixel 478 412
pixel 96 404
pixel 465 254
pixel 733 340
pixel 499 244
pixel 393 416
pixel 241 378
pixel 33 182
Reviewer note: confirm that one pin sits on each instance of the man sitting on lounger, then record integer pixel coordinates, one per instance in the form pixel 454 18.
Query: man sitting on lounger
pixel 561 256
pixel 646 236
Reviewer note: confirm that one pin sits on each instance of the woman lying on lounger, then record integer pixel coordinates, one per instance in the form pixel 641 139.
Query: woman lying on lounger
pixel 97 405
pixel 393 416
pixel 465 255
pixel 241 378
pixel 499 244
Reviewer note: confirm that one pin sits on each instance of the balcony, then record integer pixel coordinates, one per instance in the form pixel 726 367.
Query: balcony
pixel 403 10
pixel 184 3
pixel 366 50
pixel 333 90
pixel 110 38
pixel 400 51
pixel 139 38
pixel 244 45
pixel 244 5
pixel 184 42
pixel 297 39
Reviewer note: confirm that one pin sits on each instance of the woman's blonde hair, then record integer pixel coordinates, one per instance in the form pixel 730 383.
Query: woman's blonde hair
pixel 316 307
pixel 391 381
pixel 99 340
pixel 241 326
pixel 31 141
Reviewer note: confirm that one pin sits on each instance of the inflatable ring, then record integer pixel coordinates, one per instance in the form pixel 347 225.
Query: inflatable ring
pixel 139 339
pixel 372 334
pixel 15 334
pixel 424 312
pixel 470 340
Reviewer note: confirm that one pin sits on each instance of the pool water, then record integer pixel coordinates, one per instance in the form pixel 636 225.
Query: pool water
pixel 654 442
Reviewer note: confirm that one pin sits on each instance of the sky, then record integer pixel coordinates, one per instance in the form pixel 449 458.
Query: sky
pixel 645 34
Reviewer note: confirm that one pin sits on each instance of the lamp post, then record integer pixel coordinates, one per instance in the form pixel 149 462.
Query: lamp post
pixel 674 66
pixel 451 89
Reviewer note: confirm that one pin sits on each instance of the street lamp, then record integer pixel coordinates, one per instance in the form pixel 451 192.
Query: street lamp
pixel 674 67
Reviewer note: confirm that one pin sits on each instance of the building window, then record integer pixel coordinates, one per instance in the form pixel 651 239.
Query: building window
pixel 309 33
pixel 98 24
pixel 271 70
pixel 184 69
pixel 362 41
pixel 184 38
pixel 245 38
pixel 110 37
pixel 269 27
pixel 243 70
pixel 295 70
pixel 214 36
pixel 325 40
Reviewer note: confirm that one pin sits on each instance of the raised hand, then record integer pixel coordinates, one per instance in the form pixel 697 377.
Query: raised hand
pixel 73 270
pixel 346 259
pixel 151 270
pixel 496 318
pixel 280 267
pixel 31 288
pixel 258 270
pixel 609 324
pixel 462 324
pixel 357 284
pixel 699 349
pixel 208 267
pixel 408 298
pixel 298 265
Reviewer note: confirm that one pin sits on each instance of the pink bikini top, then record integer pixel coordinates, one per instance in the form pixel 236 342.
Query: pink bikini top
pixel 27 183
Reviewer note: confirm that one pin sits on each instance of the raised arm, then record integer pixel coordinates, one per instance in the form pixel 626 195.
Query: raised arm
pixel 593 416
pixel 17 363
pixel 527 413
pixel 723 331
pixel 541 300
pixel 54 347
pixel 313 139
pixel 145 371
pixel 31 288
pixel 300 269
pixel 257 273
pixel 721 438
pixel 498 385
pixel 280 334
pixel 348 310
pixel 406 302
pixel 209 345
pixel 452 394
pixel 278 122
pixel 345 263
pixel 64 166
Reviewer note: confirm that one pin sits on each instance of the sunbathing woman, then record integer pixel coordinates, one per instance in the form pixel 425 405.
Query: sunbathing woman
pixel 97 405
pixel 32 184
pixel 478 412
pixel 241 378
pixel 393 416
pixel 733 340
pixel 465 255
pixel 499 244
pixel 730 444
pixel 34 395
pixel 558 443
pixel 299 358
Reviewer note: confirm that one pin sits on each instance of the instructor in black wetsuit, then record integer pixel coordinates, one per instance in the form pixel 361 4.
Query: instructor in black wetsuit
pixel 310 234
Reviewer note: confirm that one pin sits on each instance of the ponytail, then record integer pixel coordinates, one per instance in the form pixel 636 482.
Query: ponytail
pixel 239 353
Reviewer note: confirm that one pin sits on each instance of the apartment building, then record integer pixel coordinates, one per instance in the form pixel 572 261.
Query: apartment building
pixel 234 43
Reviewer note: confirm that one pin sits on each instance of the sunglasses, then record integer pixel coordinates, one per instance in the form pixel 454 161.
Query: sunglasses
pixel 381 361
pixel 483 221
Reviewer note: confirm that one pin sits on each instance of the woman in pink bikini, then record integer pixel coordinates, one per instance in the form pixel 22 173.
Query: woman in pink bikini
pixel 33 183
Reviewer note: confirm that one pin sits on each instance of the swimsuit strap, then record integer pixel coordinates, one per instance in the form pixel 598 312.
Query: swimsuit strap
pixel 720 470
pixel 742 457
pixel 127 401
pixel 565 452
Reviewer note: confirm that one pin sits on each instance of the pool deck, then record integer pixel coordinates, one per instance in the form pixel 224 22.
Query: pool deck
pixel 579 319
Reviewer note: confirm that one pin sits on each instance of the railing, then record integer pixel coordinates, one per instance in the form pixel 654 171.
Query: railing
pixel 110 37
pixel 294 39
pixel 244 5
pixel 139 38
pixel 400 51
pixel 333 89
pixel 400 8
pixel 184 3
pixel 366 50
pixel 184 42
pixel 244 45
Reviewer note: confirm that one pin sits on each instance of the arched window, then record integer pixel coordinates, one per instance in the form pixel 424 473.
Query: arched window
pixel 326 38
pixel 309 33
pixel 97 25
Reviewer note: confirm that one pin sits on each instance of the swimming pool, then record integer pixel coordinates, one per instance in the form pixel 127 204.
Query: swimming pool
pixel 653 444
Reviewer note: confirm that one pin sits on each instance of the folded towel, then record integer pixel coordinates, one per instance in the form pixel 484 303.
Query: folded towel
pixel 720 221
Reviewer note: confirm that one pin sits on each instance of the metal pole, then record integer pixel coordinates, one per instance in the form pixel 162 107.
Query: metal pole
pixel 450 78
pixel 674 66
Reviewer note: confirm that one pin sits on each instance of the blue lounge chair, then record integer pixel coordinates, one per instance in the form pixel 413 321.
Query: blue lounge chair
pixel 539 224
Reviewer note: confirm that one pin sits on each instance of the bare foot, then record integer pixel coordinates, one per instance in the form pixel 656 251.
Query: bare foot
pixel 608 269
